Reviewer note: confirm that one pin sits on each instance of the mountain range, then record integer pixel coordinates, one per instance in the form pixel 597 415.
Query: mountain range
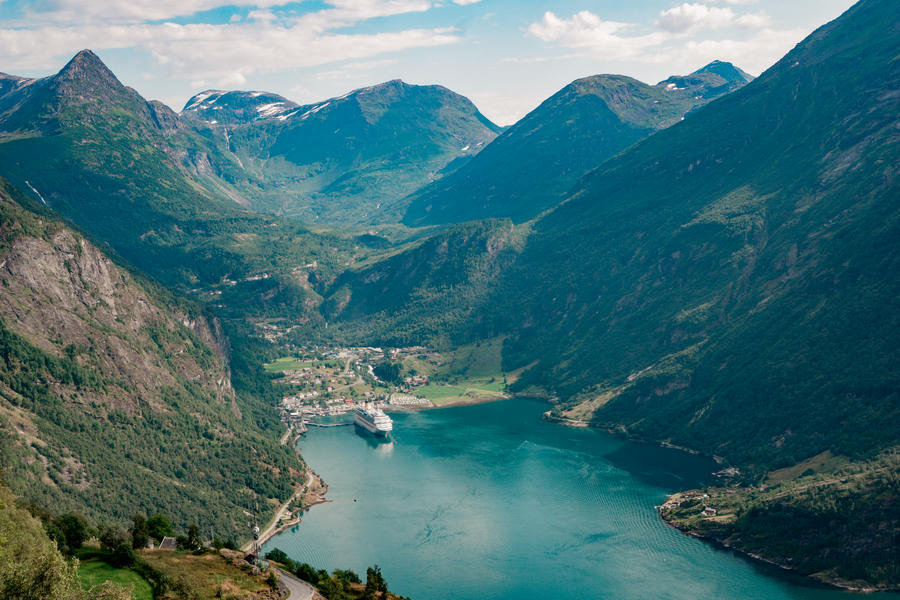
pixel 709 262
pixel 532 165
pixel 347 160
pixel 719 286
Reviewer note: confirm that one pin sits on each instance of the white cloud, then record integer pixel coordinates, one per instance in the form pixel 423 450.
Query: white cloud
pixel 131 11
pixel 677 42
pixel 753 54
pixel 692 17
pixel 227 53
pixel 353 70
pixel 465 2
pixel 232 80
pixel 586 30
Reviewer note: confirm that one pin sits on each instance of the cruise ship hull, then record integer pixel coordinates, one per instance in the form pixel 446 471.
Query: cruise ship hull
pixel 367 425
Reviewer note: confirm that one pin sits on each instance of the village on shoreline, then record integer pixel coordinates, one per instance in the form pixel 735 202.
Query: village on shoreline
pixel 318 383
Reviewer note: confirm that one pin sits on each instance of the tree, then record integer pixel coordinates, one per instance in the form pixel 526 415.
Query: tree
pixel 118 544
pixel 307 573
pixel 193 539
pixel 347 575
pixel 70 531
pixel 389 372
pixel 160 526
pixel 331 588
pixel 374 583
pixel 140 533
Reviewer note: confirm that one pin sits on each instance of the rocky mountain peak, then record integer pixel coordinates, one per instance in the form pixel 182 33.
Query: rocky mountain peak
pixel 726 71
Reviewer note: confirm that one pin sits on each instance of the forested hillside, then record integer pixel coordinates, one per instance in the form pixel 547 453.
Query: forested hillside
pixel 738 286
pixel 128 172
pixel 116 398
pixel 725 287
pixel 531 166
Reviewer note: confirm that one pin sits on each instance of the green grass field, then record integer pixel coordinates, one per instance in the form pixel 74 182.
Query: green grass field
pixel 94 571
pixel 464 390
pixel 286 363
pixel 207 576
pixel 439 392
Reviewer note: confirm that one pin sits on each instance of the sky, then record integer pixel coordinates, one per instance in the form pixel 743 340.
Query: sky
pixel 507 56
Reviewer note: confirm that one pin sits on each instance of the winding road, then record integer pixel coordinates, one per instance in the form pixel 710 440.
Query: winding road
pixel 270 529
pixel 297 588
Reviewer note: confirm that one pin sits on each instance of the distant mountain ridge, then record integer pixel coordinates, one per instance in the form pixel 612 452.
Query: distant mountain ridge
pixel 233 108
pixel 134 175
pixel 345 160
pixel 531 166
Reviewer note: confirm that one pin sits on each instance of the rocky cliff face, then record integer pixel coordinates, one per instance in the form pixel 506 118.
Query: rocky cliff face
pixel 62 292
pixel 115 396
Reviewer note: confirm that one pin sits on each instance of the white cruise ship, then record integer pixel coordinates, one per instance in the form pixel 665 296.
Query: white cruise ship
pixel 374 420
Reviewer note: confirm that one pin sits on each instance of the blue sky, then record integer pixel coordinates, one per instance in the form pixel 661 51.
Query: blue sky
pixel 506 55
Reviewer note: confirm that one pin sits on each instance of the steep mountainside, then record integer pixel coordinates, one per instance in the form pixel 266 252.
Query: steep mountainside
pixel 731 284
pixel 348 160
pixel 734 288
pixel 428 292
pixel 531 166
pixel 116 398
pixel 132 175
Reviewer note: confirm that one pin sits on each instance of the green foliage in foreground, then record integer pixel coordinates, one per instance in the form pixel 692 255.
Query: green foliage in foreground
pixel 94 570
pixel 342 584
pixel 31 567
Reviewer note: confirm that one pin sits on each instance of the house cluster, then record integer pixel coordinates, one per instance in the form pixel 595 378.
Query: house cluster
pixel 416 380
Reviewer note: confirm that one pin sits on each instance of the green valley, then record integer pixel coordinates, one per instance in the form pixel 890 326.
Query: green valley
pixel 709 263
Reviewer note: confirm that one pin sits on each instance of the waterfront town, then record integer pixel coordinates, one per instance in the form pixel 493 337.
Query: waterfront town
pixel 319 382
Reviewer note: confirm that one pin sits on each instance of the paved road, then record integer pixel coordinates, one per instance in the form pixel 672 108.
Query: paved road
pixel 269 531
pixel 286 435
pixel 297 588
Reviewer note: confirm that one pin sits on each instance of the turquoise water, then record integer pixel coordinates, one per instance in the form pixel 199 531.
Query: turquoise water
pixel 490 503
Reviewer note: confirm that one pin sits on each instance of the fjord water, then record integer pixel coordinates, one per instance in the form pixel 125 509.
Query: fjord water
pixel 490 502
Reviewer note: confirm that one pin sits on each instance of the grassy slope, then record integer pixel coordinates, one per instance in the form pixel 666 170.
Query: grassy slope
pixel 207 576
pixel 94 570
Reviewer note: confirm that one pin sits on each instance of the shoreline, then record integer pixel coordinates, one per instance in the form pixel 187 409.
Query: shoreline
pixel 722 545
pixel 808 579
pixel 750 556
pixel 619 432
pixel 313 482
